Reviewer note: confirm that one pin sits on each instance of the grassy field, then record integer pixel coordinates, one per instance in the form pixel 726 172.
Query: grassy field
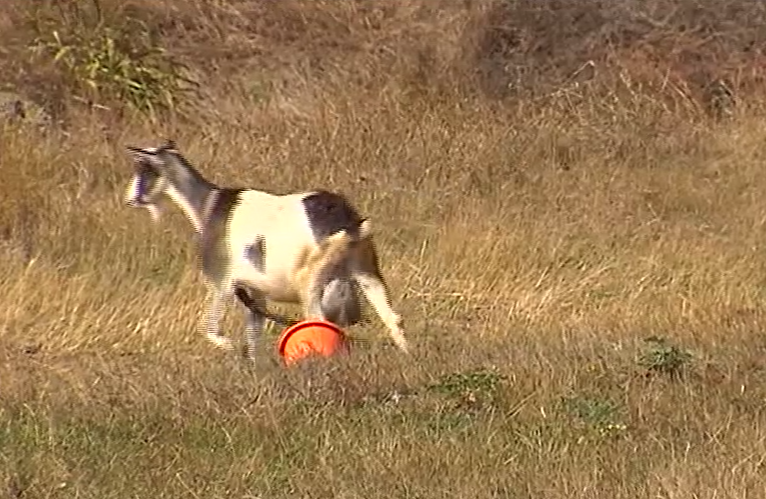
pixel 571 221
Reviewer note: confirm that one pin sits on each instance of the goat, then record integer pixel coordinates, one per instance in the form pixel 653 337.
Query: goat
pixel 307 248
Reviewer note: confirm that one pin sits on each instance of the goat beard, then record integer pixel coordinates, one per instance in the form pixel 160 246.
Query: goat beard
pixel 154 211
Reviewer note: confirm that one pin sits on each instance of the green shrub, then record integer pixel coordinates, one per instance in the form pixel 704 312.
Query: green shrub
pixel 662 357
pixel 109 59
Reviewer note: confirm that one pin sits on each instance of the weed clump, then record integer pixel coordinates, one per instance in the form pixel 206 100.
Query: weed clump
pixel 599 413
pixel 659 356
pixel 106 60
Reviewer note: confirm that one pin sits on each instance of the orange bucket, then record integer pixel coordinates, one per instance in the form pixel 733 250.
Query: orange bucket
pixel 311 337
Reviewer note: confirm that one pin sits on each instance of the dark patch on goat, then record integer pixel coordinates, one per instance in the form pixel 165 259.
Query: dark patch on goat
pixel 212 245
pixel 329 212
pixel 256 253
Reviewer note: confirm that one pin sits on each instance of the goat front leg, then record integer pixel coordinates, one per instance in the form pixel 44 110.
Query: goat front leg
pixel 215 311
pixel 255 319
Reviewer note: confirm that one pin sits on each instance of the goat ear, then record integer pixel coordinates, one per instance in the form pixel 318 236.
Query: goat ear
pixel 149 156
pixel 169 145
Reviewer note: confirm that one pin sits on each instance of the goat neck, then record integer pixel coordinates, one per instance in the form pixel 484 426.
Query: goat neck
pixel 190 191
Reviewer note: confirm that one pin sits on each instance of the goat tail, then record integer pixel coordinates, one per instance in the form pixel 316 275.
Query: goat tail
pixel 365 229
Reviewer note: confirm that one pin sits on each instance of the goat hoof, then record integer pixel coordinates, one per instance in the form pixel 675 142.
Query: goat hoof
pixel 247 353
pixel 403 345
pixel 221 342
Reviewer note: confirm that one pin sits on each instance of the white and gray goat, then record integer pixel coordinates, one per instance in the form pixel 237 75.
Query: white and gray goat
pixel 307 248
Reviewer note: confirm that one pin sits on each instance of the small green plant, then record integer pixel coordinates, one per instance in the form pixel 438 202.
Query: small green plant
pixel 661 357
pixel 471 381
pixel 121 61
pixel 599 413
pixel 471 389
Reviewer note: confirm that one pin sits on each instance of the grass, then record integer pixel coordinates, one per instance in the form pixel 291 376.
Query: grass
pixel 580 271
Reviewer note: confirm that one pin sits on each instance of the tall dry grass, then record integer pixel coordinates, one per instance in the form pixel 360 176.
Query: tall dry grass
pixel 538 217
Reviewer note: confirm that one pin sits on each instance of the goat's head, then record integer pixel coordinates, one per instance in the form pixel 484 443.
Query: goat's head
pixel 149 182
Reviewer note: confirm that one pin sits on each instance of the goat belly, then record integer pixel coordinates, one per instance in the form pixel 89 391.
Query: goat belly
pixel 273 284
pixel 265 264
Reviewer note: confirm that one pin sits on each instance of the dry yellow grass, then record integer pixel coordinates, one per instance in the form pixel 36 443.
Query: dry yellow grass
pixel 531 247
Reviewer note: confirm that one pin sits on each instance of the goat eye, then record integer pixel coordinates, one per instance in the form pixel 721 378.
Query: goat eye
pixel 140 185
pixel 145 181
pixel 144 168
pixel 146 174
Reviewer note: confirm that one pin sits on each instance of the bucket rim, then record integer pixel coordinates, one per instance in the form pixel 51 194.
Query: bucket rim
pixel 282 341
